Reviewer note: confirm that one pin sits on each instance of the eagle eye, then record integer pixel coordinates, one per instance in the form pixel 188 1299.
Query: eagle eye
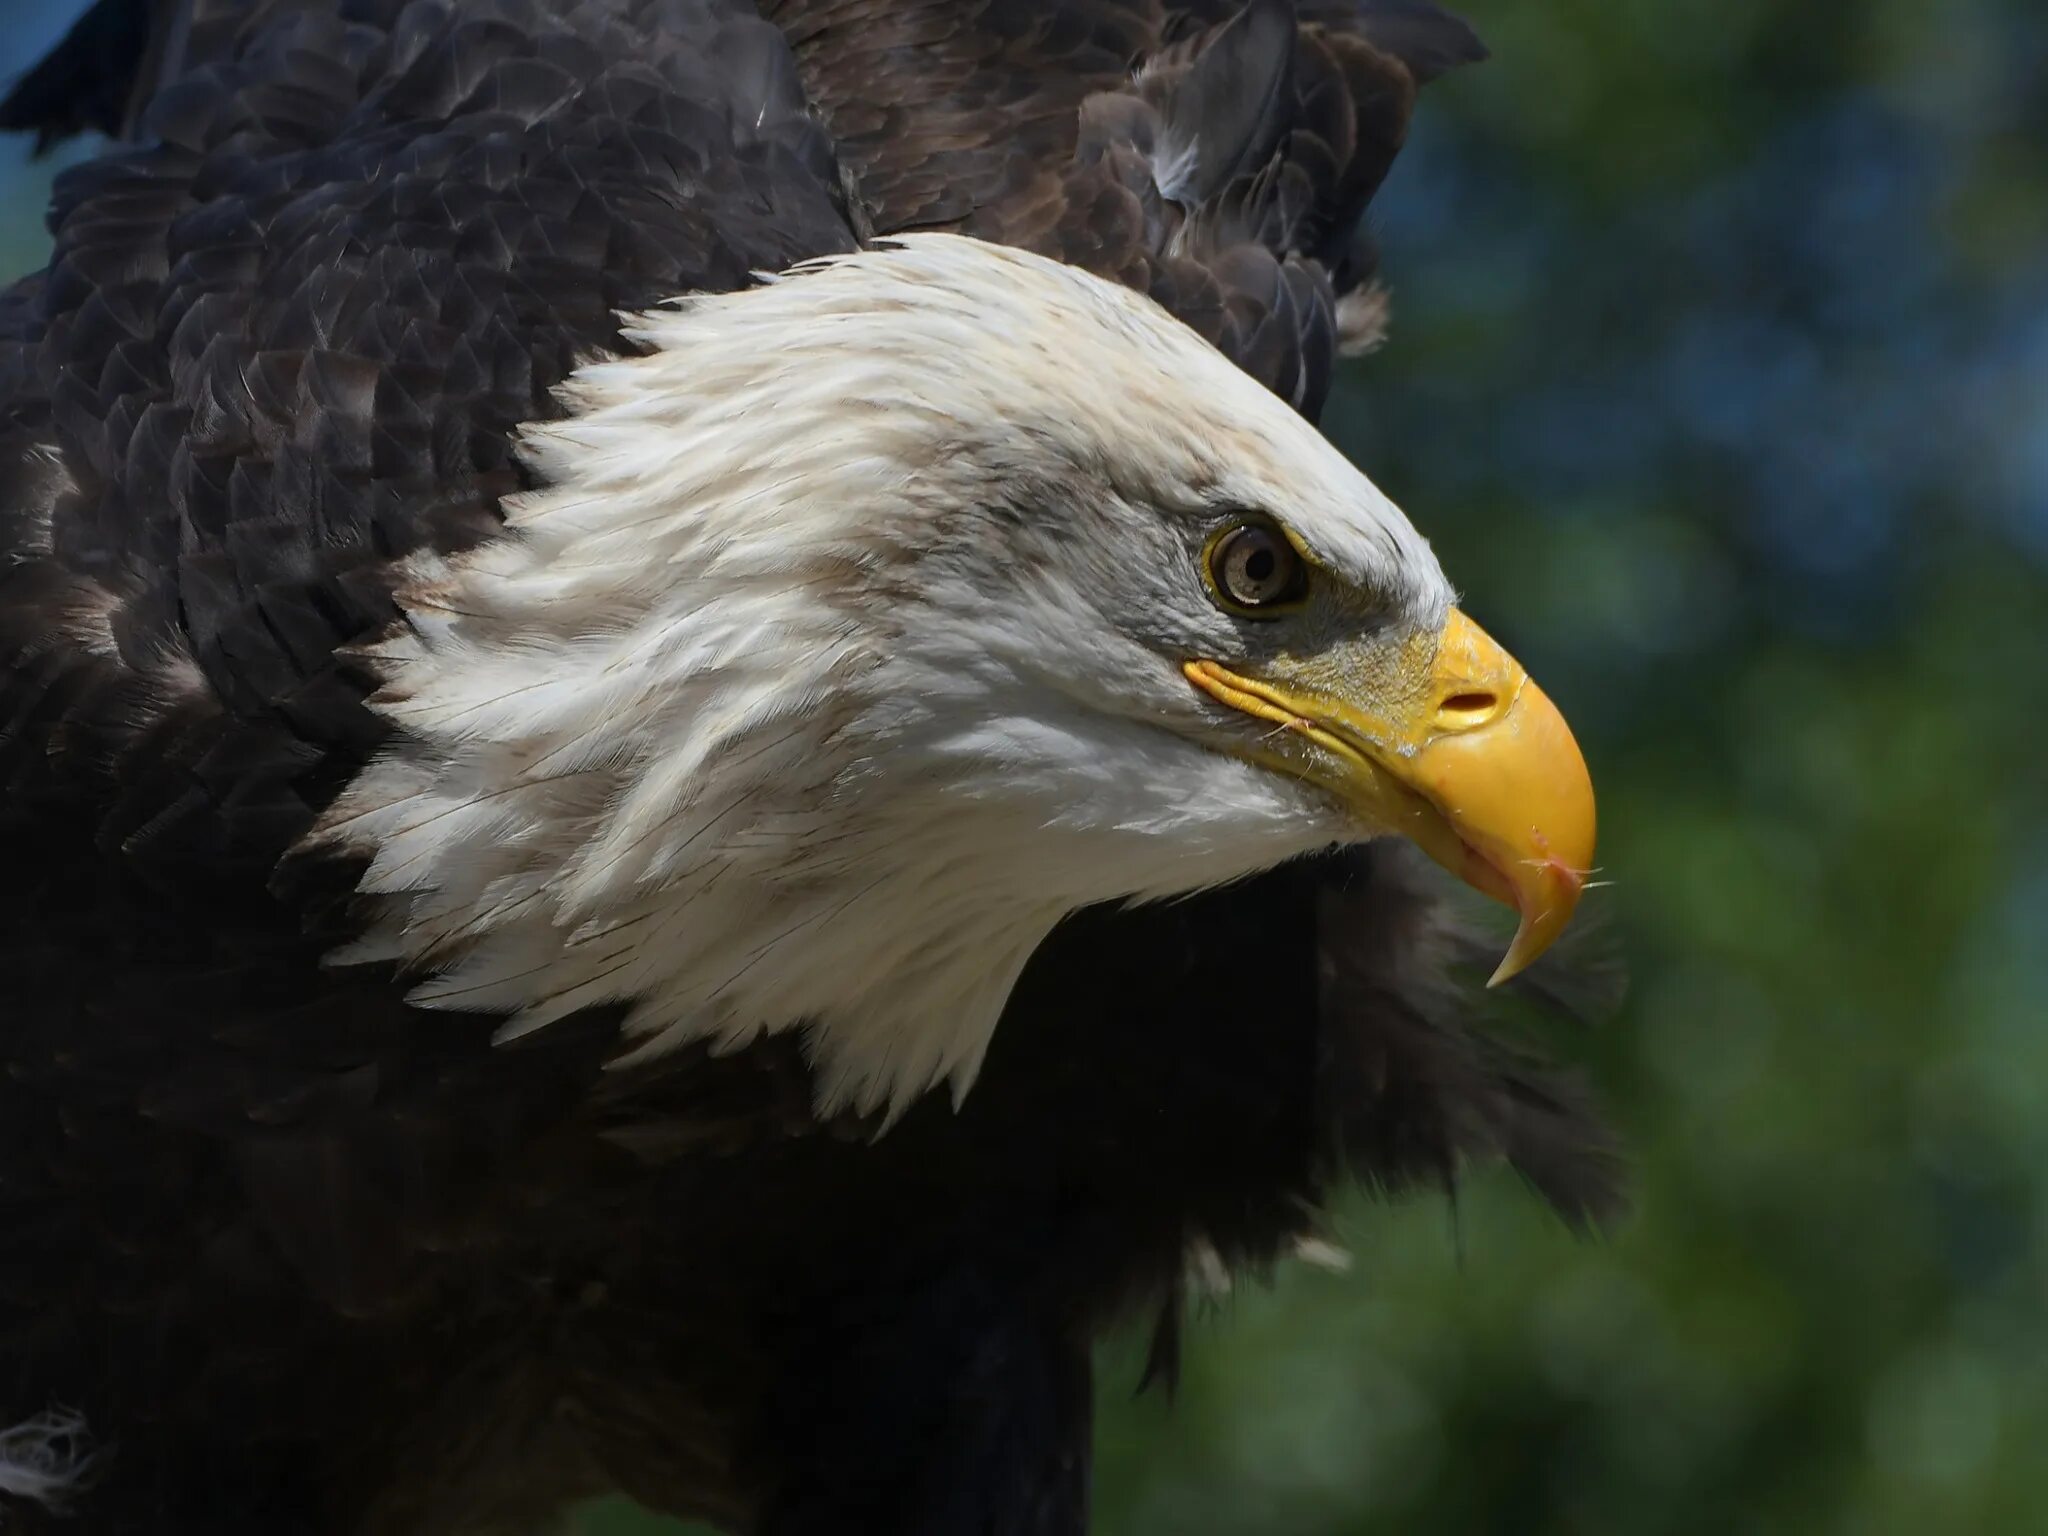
pixel 1254 570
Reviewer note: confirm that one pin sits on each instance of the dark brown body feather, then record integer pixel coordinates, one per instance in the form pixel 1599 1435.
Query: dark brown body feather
pixel 309 1261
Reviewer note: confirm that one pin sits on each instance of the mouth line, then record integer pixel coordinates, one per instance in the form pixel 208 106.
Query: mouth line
pixel 1427 822
pixel 1249 697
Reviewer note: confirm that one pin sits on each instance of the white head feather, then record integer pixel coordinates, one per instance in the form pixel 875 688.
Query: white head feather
pixel 839 658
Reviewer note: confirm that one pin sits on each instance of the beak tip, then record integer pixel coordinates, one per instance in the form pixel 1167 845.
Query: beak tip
pixel 1520 956
pixel 1546 902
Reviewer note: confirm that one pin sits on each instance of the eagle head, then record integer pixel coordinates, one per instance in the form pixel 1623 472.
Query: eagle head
pixel 866 622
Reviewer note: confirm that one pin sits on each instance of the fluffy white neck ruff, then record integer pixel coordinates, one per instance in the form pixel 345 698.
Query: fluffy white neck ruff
pixel 770 712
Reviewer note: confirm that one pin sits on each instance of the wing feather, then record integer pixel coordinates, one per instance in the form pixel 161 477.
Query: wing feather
pixel 1218 157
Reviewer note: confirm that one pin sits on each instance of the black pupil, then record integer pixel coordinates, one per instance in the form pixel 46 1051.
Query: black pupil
pixel 1259 565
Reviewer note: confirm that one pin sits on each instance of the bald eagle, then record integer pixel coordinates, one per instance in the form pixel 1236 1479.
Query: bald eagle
pixel 689 725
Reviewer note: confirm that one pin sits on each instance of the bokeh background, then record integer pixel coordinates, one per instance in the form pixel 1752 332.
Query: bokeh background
pixel 1719 375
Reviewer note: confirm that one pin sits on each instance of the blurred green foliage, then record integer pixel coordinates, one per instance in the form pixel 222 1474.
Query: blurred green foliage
pixel 1720 378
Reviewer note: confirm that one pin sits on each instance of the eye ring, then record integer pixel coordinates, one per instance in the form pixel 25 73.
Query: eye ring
pixel 1253 569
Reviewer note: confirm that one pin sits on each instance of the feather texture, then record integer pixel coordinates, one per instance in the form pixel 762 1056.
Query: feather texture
pixel 313 1261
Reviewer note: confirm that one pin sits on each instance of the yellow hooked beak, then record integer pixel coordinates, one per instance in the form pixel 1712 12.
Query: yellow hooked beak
pixel 1475 766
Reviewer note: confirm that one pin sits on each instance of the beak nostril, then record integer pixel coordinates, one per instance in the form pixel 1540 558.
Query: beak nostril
pixel 1467 708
